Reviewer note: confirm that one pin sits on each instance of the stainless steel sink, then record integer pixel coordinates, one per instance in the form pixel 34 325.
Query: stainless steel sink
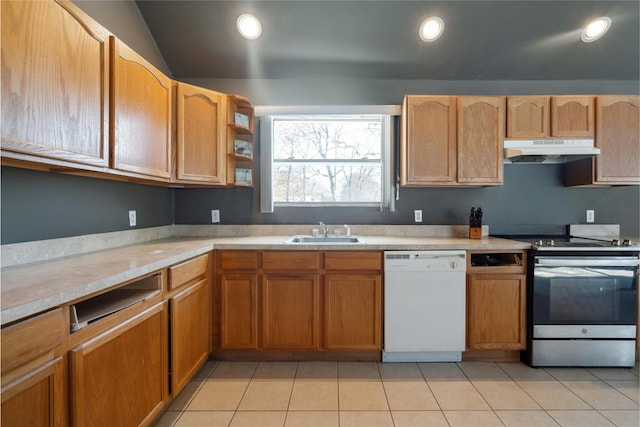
pixel 320 240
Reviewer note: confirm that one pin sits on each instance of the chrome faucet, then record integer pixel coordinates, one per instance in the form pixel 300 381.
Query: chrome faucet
pixel 325 229
pixel 347 230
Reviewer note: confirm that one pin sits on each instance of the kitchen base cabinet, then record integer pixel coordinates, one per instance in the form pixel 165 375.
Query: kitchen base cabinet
pixel 33 372
pixel 496 311
pixel 290 310
pixel 35 400
pixel 189 319
pixel 239 311
pixel 496 301
pixel 299 305
pixel 352 313
pixel 189 333
pixel 120 376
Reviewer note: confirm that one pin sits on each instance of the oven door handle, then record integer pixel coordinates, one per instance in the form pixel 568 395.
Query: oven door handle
pixel 588 262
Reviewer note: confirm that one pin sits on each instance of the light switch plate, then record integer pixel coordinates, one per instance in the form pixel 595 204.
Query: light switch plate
pixel 417 215
pixel 132 218
pixel 215 215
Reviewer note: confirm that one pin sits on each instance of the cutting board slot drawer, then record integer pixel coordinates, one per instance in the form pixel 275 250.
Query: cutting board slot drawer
pixel 90 310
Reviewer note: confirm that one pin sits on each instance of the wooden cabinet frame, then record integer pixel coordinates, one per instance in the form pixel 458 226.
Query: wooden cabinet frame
pixel 297 304
pixel 141 392
pixel 496 302
pixel 63 118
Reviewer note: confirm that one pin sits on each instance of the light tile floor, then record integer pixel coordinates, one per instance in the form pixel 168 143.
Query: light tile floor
pixel 327 394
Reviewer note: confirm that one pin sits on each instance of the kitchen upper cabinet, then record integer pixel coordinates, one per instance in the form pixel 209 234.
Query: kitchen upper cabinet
pixel 480 140
pixel 496 301
pixel 566 116
pixel 618 138
pixel 528 116
pixel 572 116
pixel 55 85
pixel 452 141
pixel 200 135
pixel 33 372
pixel 142 115
pixel 353 301
pixel 119 377
pixel 428 140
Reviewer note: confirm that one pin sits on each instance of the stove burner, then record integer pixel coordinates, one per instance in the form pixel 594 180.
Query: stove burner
pixel 566 242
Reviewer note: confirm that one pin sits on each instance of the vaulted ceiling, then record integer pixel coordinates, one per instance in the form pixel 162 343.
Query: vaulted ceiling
pixel 483 40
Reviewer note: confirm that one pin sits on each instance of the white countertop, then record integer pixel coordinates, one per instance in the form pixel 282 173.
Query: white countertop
pixel 28 289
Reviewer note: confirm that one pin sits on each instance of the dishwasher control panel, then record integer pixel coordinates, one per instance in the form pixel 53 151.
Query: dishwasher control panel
pixel 425 261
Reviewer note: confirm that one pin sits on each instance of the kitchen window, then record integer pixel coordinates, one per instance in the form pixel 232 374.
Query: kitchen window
pixel 335 159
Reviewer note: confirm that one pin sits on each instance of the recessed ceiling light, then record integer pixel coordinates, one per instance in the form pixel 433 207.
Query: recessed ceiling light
pixel 431 29
pixel 249 26
pixel 595 29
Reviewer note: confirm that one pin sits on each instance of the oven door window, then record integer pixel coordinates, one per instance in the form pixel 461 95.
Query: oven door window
pixel 582 295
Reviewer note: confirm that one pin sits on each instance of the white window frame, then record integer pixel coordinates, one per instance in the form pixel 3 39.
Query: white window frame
pixel 265 115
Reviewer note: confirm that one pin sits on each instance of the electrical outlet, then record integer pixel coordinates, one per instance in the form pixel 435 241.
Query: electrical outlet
pixel 132 218
pixel 417 215
pixel 215 215
pixel 591 215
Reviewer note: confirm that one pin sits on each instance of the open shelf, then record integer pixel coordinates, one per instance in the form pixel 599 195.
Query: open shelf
pixel 240 142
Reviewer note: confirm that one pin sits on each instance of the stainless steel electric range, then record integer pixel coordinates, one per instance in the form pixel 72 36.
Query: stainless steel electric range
pixel 582 302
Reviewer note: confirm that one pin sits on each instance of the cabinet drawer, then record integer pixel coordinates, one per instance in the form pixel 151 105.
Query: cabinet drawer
pixel 353 260
pixel 187 271
pixel 31 339
pixel 238 260
pixel 290 260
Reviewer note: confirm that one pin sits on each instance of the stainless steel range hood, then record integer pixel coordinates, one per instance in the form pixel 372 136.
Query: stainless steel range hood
pixel 548 150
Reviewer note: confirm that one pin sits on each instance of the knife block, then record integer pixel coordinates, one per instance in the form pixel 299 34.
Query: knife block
pixel 475 232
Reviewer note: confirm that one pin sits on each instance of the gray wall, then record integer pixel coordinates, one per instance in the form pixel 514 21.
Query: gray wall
pixel 43 205
pixel 40 205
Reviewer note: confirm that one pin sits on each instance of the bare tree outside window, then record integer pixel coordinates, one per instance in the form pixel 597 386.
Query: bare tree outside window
pixel 327 159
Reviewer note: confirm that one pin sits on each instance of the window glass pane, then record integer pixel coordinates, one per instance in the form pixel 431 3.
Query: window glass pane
pixel 327 159
pixel 326 182
pixel 347 137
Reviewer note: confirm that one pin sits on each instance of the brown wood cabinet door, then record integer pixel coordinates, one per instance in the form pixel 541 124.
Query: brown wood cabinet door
pixel 572 116
pixel 55 83
pixel 528 116
pixel 119 378
pixel 428 141
pixel 239 311
pixel 618 137
pixel 290 312
pixel 201 136
pixel 189 333
pixel 353 312
pixel 480 140
pixel 37 399
pixel 142 115
pixel 496 312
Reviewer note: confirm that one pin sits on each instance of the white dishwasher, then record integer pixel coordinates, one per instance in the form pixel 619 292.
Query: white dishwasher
pixel 424 306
